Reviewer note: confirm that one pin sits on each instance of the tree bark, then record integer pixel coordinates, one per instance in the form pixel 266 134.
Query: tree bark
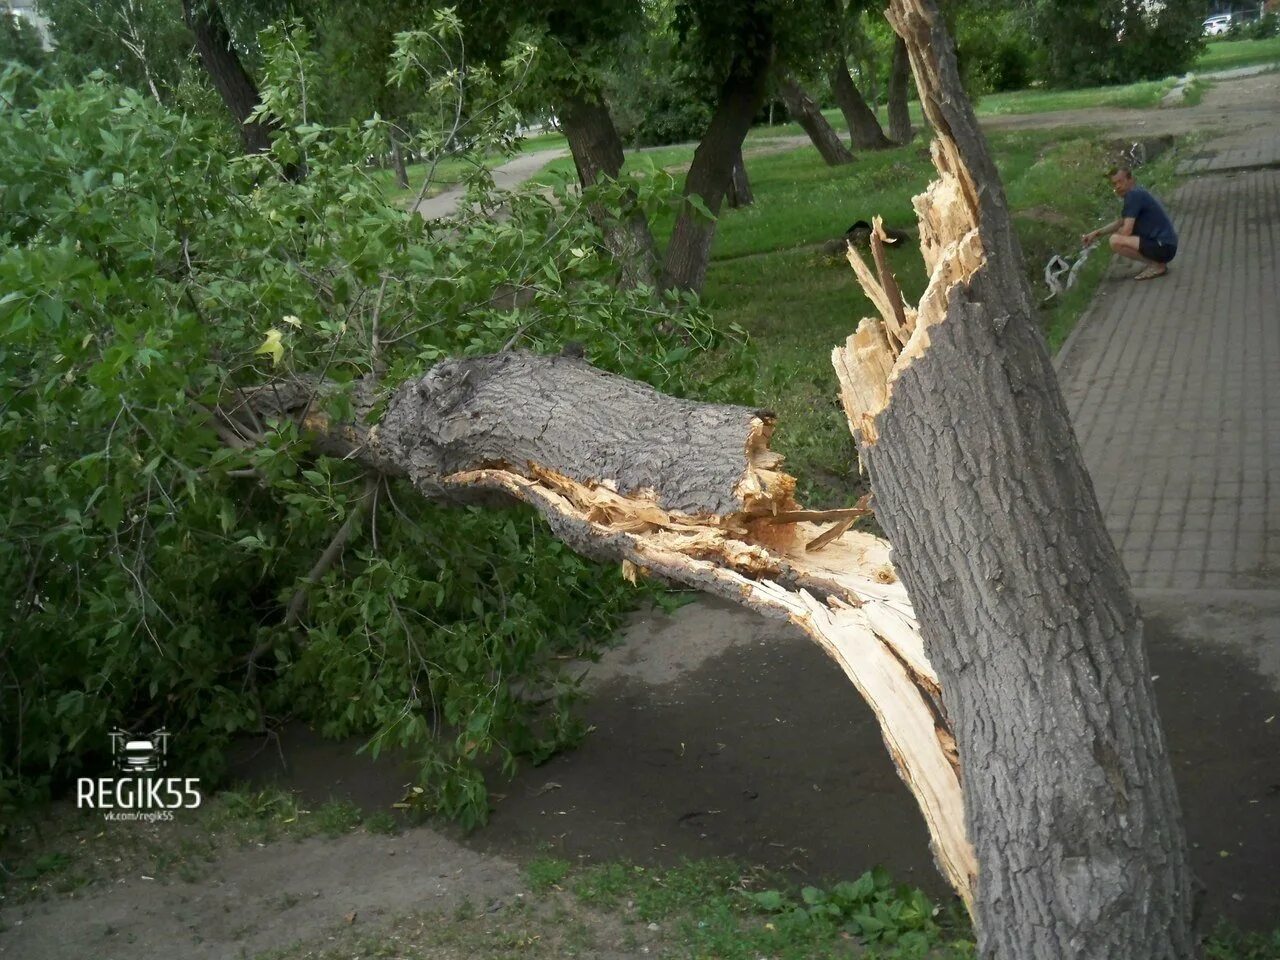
pixel 1022 601
pixel 865 132
pixel 685 263
pixel 899 92
pixel 686 491
pixel 229 77
pixel 597 153
pixel 801 106
pixel 740 194
pixel 398 164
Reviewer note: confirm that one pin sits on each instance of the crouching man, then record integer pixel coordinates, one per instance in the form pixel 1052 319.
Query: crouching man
pixel 1143 232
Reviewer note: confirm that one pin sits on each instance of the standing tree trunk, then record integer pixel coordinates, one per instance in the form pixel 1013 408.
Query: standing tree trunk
pixel 397 162
pixel 597 153
pixel 229 77
pixel 899 91
pixel 739 194
pixel 1022 601
pixel 801 106
pixel 865 132
pixel 685 264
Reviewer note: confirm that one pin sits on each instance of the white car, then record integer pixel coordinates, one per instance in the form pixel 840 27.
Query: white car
pixel 1216 26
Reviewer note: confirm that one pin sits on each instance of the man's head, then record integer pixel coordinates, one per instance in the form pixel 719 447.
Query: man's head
pixel 1121 180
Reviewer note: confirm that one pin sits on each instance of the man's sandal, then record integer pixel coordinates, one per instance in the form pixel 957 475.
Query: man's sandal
pixel 1152 273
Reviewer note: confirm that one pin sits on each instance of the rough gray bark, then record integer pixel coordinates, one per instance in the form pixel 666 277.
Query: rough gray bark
pixel 684 266
pixel 683 491
pixel 398 164
pixel 739 194
pixel 805 112
pixel 221 62
pixel 597 153
pixel 521 408
pixel 899 93
pixel 865 132
pixel 1023 603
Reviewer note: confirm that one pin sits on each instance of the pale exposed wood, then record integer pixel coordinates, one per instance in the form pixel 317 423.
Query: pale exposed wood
pixel 685 491
pixel 865 625
pixel 897 318
pixel 1019 596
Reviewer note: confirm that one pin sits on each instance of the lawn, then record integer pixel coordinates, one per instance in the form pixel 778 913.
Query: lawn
pixel 1134 95
pixel 1225 54
pixel 770 275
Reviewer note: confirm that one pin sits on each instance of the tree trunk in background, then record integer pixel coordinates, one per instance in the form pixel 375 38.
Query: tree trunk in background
pixel 597 153
pixel 899 94
pixel 802 108
pixel 1023 604
pixel 397 163
pixel 865 132
pixel 222 64
pixel 739 194
pixel 685 264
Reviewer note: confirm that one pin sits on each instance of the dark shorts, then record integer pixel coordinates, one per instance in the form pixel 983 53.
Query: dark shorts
pixel 1159 252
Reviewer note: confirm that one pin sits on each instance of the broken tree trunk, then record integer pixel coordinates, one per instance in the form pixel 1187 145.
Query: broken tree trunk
pixel 805 112
pixel 1022 601
pixel 686 491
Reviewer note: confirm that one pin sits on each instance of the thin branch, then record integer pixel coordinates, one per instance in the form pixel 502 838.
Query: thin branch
pixel 298 603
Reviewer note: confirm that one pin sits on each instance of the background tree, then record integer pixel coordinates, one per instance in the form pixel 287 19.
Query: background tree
pixel 844 30
pixel 21 47
pixel 806 112
pixel 1117 41
pixel 900 84
pixel 141 43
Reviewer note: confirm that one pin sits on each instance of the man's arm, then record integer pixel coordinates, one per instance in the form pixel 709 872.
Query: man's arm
pixel 1122 226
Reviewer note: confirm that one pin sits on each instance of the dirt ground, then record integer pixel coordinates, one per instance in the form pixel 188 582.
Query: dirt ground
pixel 717 733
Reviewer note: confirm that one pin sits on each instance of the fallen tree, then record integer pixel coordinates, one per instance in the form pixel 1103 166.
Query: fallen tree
pixel 1014 694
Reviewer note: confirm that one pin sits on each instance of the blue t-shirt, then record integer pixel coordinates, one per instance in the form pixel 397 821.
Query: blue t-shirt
pixel 1150 222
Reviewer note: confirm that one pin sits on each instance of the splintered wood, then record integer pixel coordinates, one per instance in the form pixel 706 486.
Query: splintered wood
pixel 837 585
pixel 870 360
pixel 686 491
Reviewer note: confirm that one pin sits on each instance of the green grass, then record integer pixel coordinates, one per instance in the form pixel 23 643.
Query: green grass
pixel 1226 54
pixel 716 908
pixel 770 274
pixel 1133 95
pixel 677 156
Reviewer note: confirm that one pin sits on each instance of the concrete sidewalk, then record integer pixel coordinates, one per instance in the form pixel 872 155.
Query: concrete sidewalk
pixel 1174 387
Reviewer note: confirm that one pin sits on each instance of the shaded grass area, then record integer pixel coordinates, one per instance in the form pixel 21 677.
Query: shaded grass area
pixel 771 275
pixel 1132 95
pixel 1225 54
pixel 66 850
pixel 708 908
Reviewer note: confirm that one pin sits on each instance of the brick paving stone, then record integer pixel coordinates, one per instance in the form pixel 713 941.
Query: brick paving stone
pixel 1174 388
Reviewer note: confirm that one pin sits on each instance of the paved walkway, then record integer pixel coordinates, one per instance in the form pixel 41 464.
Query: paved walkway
pixel 1174 386
pixel 507 177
